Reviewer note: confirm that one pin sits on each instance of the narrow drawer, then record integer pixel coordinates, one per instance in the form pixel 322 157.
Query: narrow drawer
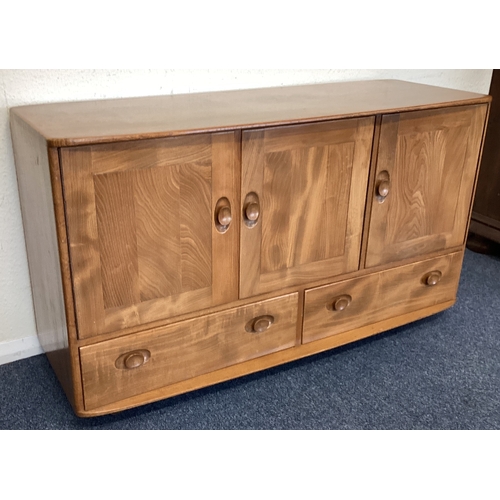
pixel 128 366
pixel 358 302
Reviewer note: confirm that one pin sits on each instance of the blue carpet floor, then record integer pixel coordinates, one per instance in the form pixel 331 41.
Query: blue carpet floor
pixel 442 372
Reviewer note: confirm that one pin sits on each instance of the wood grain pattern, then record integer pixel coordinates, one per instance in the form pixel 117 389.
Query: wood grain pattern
pixel 66 362
pixel 430 158
pixel 380 296
pixel 311 181
pixel 226 150
pixel 105 121
pixel 142 240
pixel 117 234
pixel 196 223
pixel 38 180
pixel 268 361
pixel 252 178
pixel 155 227
pixel 186 350
pixel 83 239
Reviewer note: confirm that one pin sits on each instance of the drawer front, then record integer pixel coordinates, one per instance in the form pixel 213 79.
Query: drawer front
pixel 358 302
pixel 131 365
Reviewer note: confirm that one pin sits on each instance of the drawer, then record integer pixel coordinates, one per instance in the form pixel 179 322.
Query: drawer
pixel 120 368
pixel 354 303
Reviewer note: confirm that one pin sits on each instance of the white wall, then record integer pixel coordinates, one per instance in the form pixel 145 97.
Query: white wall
pixel 18 87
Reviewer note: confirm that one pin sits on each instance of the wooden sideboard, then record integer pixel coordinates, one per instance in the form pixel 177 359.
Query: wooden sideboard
pixel 175 242
pixel 484 232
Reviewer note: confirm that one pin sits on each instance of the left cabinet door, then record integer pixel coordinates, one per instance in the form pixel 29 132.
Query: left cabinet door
pixel 149 228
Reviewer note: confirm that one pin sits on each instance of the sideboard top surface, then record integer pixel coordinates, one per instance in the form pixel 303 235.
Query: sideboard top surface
pixel 110 120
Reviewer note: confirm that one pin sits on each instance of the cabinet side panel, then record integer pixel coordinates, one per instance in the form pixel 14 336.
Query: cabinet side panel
pixel 33 164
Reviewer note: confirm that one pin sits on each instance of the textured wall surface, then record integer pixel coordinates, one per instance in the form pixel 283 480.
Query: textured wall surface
pixel 18 87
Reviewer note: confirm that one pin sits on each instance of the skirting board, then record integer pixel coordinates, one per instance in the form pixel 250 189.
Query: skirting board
pixel 14 350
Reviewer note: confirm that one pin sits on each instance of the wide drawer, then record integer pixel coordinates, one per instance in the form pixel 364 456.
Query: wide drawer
pixel 120 368
pixel 354 303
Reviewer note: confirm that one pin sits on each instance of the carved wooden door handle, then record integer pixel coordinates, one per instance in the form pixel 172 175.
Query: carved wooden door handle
pixel 252 212
pixel 223 215
pixel 251 209
pixel 383 189
pixel 382 186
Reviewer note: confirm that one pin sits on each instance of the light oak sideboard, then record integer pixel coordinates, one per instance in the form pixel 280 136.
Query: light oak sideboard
pixel 175 242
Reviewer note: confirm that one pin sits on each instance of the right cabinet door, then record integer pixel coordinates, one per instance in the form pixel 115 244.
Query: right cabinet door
pixel 424 181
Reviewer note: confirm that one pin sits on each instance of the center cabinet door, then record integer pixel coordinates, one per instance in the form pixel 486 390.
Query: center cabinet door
pixel 303 200
pixel 150 230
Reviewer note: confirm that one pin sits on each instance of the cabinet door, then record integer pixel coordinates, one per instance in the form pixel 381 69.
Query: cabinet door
pixel 424 181
pixel 303 200
pixel 144 236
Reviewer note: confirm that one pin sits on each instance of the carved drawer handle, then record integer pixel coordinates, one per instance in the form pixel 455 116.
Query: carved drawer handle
pixel 433 278
pixel 341 303
pixel 134 359
pixel 223 215
pixel 259 324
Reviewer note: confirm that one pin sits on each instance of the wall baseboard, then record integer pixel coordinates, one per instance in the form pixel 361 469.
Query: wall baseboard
pixel 14 350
